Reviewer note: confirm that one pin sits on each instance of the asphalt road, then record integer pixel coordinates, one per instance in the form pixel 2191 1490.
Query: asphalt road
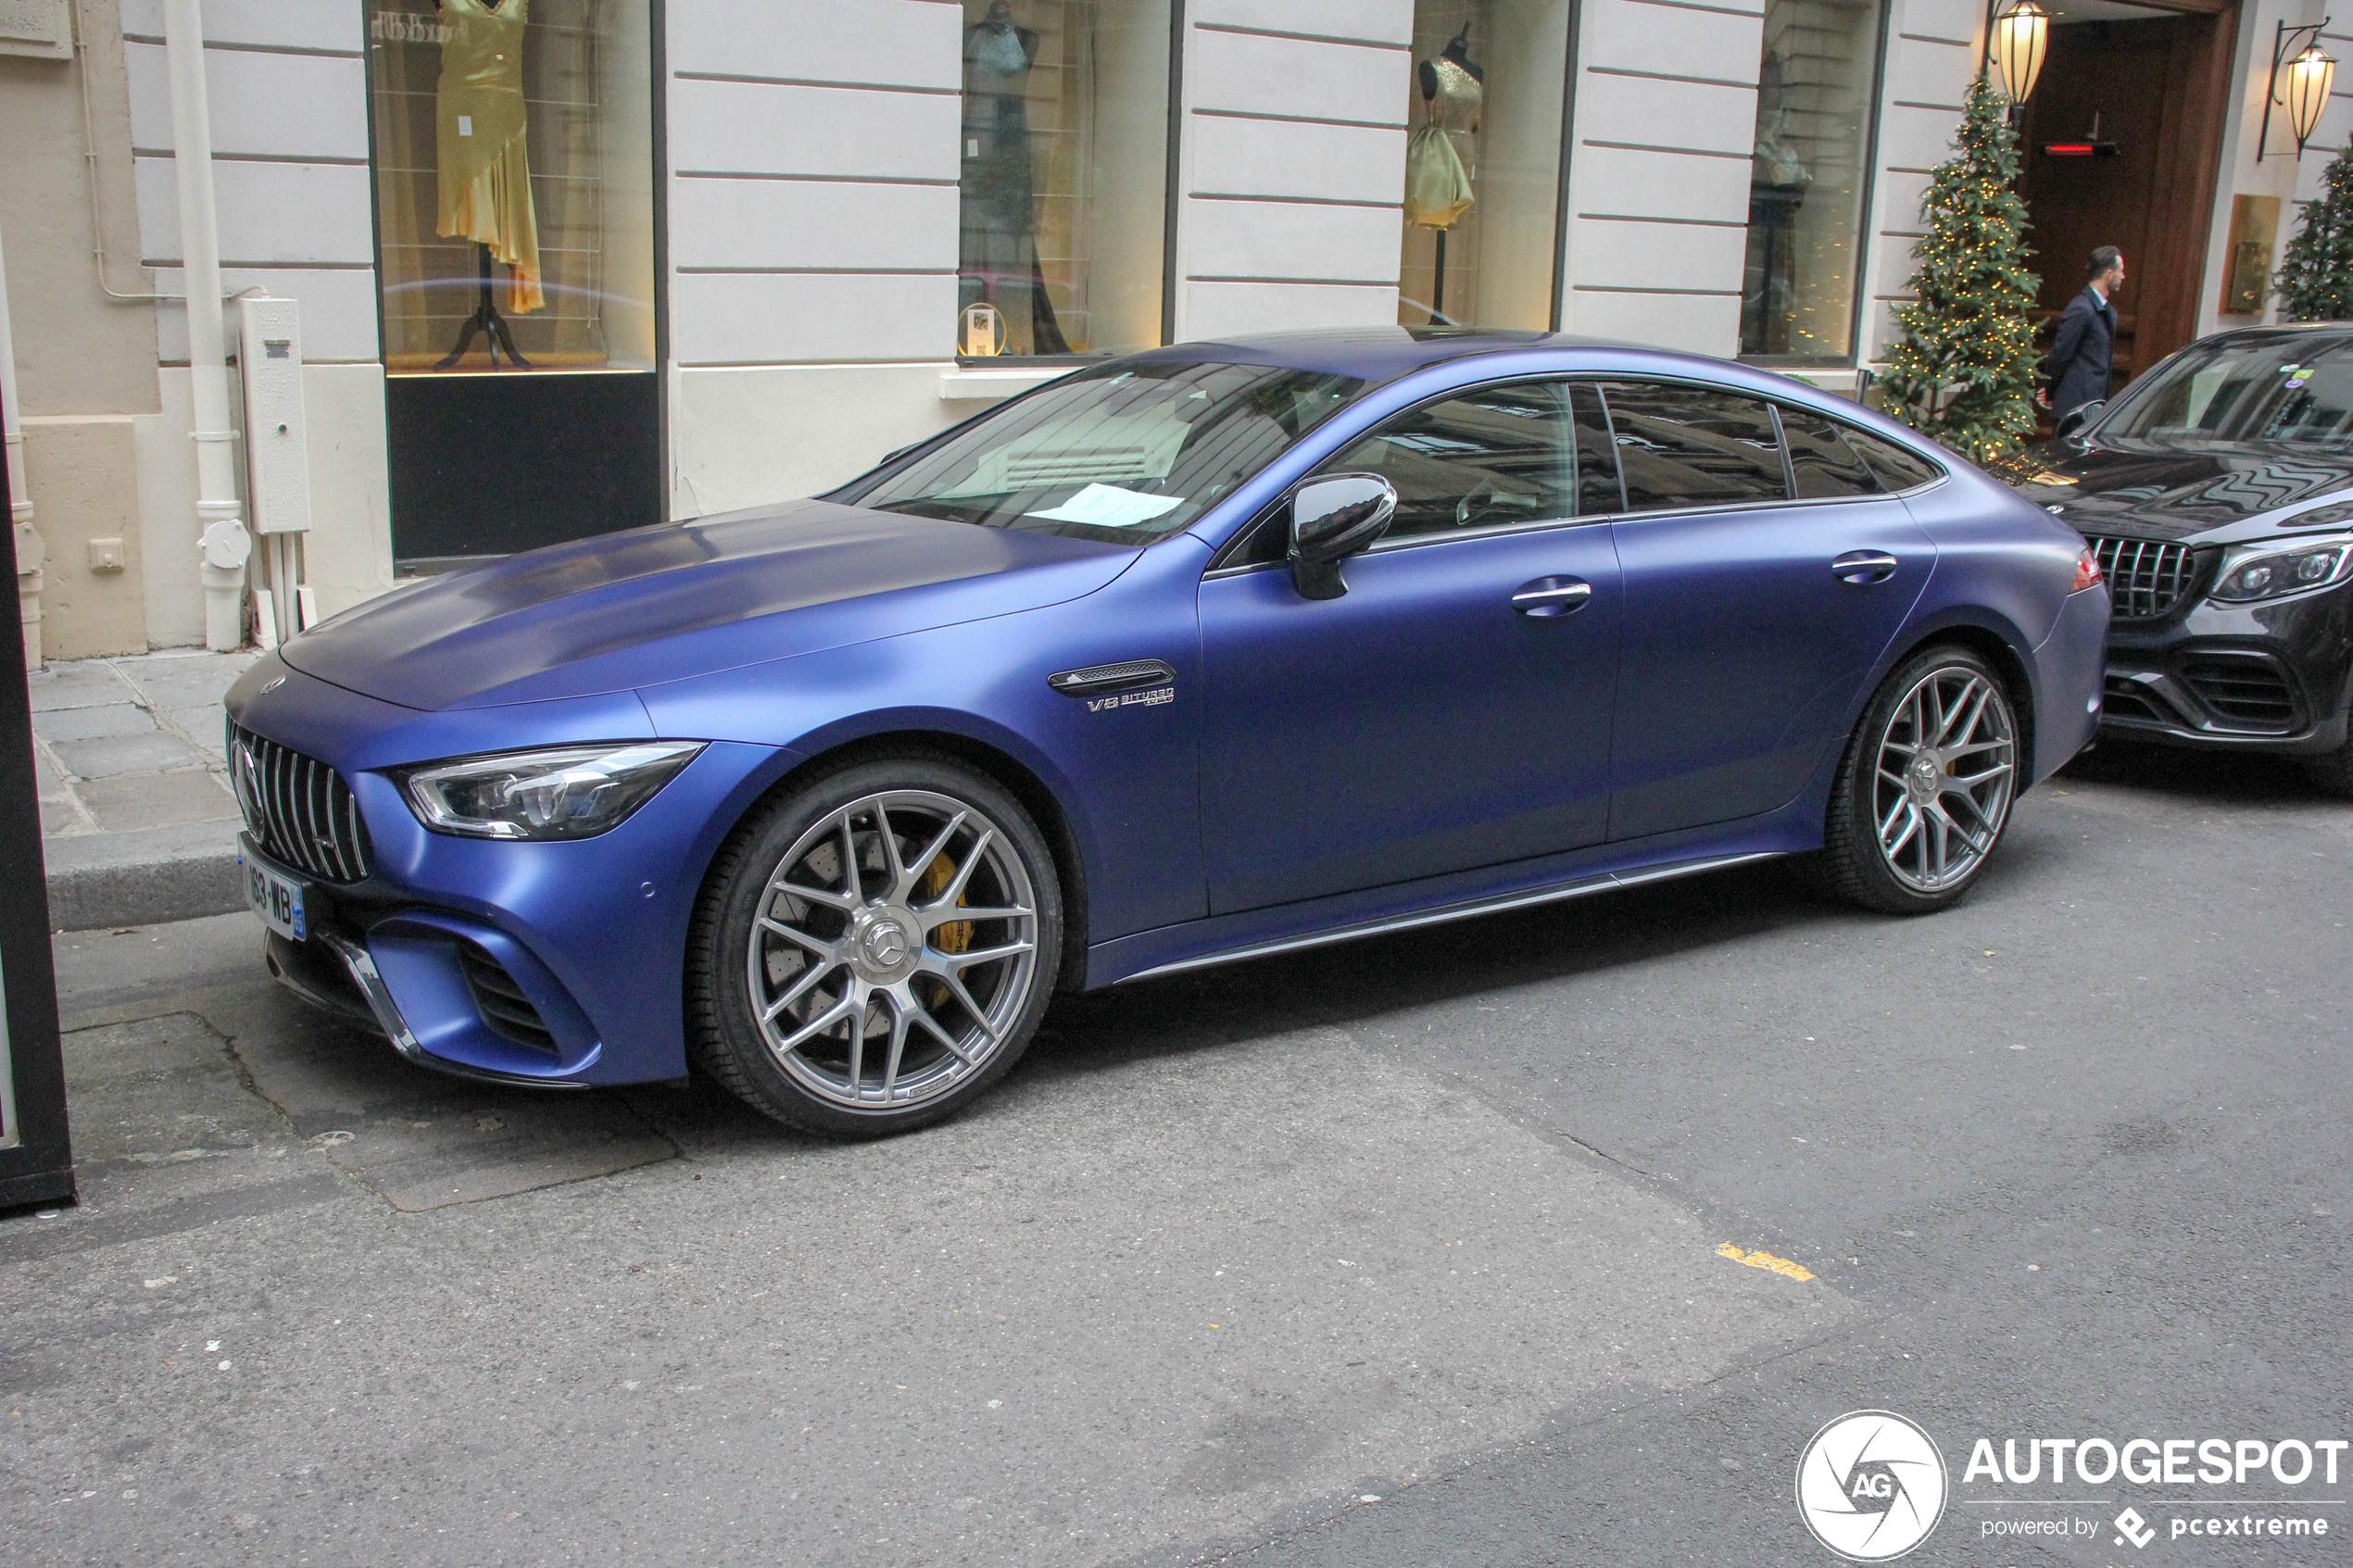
pixel 1405 1253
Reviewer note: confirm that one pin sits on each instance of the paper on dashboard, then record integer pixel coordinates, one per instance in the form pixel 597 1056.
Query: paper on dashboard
pixel 1107 505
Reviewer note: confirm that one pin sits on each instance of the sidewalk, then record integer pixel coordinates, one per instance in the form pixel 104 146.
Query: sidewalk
pixel 138 825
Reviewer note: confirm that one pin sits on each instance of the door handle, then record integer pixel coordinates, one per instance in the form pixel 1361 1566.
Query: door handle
pixel 1864 566
pixel 1552 595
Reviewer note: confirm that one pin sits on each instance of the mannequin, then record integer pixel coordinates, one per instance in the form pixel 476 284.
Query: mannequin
pixel 1438 188
pixel 998 258
pixel 485 176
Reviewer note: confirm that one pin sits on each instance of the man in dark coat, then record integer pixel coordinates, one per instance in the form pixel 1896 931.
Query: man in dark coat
pixel 2083 348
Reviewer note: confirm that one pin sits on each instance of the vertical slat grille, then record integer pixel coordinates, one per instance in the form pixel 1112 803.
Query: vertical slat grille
pixel 299 810
pixel 2145 577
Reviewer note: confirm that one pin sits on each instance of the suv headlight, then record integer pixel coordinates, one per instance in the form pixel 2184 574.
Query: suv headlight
pixel 568 792
pixel 2251 573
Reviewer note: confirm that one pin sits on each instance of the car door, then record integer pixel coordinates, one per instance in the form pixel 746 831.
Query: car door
pixel 1759 593
pixel 1422 722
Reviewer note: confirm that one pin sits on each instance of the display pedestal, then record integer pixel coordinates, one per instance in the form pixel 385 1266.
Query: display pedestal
pixel 486 321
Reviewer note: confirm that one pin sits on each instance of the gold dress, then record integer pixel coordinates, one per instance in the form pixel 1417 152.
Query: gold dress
pixel 1438 189
pixel 486 181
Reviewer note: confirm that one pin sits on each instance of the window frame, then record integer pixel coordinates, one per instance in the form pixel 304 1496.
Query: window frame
pixel 1223 563
pixel 1870 171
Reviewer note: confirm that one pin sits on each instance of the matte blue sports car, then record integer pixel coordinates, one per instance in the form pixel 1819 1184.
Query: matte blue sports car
pixel 1216 651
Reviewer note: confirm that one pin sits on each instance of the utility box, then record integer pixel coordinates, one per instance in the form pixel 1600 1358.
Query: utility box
pixel 277 447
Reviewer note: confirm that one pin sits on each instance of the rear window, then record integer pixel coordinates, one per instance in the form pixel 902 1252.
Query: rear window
pixel 1681 446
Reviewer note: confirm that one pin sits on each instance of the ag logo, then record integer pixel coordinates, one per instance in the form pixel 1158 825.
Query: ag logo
pixel 1870 1486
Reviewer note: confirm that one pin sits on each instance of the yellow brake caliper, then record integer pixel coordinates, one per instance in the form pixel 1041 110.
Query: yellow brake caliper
pixel 956 936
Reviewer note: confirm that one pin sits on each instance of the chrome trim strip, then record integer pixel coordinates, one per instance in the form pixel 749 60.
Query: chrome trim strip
pixel 1607 882
pixel 363 968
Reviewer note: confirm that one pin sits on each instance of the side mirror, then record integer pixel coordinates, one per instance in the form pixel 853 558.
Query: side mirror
pixel 2076 419
pixel 1332 517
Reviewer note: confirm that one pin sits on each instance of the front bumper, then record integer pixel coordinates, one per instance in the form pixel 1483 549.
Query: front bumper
pixel 2235 678
pixel 556 964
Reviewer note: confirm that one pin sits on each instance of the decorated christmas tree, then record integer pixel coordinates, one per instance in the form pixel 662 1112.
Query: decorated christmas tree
pixel 2316 270
pixel 1964 372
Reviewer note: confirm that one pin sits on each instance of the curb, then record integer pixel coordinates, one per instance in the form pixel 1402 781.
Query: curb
pixel 146 877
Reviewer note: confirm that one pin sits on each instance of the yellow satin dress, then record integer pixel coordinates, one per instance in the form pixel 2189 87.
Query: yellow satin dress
pixel 485 180
pixel 1438 189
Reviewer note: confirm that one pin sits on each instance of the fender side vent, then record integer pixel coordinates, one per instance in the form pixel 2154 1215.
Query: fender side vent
pixel 1097 679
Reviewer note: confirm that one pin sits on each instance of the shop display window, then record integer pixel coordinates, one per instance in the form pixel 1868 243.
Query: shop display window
pixel 1483 163
pixel 514 184
pixel 1817 88
pixel 1063 177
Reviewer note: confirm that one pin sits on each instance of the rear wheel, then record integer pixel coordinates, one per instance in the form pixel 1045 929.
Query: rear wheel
pixel 1924 791
pixel 876 950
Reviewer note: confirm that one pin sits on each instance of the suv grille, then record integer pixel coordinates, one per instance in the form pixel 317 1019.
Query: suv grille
pixel 501 1002
pixel 2145 577
pixel 2247 690
pixel 299 810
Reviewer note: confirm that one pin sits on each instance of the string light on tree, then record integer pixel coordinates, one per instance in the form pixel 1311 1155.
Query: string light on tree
pixel 2315 279
pixel 1963 372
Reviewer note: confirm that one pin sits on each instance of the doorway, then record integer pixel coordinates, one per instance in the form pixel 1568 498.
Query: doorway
pixel 2151 82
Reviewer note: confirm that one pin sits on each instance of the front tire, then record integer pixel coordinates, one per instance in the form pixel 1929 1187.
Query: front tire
pixel 1924 791
pixel 873 951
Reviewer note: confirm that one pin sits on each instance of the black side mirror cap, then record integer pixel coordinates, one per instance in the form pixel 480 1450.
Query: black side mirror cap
pixel 2076 419
pixel 1332 516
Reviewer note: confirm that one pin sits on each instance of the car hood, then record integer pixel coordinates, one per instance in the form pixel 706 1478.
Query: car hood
pixel 630 609
pixel 2208 493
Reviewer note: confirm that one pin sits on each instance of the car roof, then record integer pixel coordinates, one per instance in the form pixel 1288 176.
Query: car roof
pixel 1377 354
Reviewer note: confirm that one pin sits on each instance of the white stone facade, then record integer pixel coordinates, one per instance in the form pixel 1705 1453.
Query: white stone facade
pixel 810 210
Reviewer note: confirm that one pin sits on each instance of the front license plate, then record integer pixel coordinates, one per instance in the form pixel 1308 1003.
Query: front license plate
pixel 277 899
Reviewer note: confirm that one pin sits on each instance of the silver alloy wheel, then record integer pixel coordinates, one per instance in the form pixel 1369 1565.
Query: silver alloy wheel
pixel 1945 773
pixel 895 945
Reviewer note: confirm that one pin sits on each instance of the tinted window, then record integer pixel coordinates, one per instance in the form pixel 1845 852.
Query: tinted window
pixel 1897 468
pixel 1598 492
pixel 1692 447
pixel 2277 386
pixel 1129 453
pixel 1485 458
pixel 1819 457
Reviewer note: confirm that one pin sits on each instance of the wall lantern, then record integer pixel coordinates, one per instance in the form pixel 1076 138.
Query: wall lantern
pixel 2305 93
pixel 2021 38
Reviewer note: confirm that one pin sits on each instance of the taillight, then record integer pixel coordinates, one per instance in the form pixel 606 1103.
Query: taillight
pixel 2087 571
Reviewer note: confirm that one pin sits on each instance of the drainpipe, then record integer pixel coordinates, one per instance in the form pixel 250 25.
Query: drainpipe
pixel 30 548
pixel 223 544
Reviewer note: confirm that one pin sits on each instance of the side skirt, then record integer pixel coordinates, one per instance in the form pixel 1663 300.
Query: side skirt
pixel 1468 910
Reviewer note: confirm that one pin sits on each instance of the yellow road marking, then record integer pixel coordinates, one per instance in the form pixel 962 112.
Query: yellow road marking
pixel 1762 1260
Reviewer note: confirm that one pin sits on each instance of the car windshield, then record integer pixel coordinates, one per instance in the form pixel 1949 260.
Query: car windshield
pixel 2294 388
pixel 1126 453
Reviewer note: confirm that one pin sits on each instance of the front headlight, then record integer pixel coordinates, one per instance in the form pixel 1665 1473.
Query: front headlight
pixel 571 792
pixel 2252 572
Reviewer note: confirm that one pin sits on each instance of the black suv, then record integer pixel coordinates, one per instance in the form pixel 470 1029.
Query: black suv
pixel 2217 491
